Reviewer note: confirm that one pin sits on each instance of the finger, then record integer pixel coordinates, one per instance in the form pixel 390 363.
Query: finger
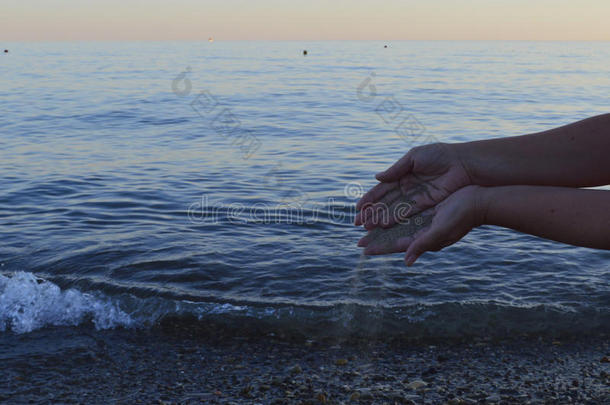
pixel 403 166
pixel 358 219
pixel 375 194
pixel 365 240
pixel 378 213
pixel 422 243
pixel 410 259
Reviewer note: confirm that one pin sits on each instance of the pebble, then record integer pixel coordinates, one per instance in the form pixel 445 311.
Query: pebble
pixel 417 384
pixel 365 393
pixel 493 398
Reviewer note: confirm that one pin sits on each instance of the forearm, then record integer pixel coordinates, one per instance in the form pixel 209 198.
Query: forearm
pixel 570 215
pixel 575 155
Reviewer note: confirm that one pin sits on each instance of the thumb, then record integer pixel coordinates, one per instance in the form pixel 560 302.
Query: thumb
pixel 420 245
pixel 403 166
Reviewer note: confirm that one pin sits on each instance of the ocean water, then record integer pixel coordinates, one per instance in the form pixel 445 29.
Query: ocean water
pixel 217 182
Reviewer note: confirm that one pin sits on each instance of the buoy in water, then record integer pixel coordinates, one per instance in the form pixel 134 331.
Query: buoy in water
pixel 6 51
pixel 304 52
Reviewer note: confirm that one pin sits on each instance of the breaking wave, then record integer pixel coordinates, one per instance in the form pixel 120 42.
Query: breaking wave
pixel 28 303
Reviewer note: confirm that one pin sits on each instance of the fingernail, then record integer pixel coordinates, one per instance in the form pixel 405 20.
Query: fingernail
pixel 379 174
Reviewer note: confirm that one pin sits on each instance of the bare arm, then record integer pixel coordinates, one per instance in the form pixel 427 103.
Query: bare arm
pixel 574 216
pixel 574 155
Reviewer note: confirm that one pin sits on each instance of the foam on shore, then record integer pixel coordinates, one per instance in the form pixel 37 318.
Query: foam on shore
pixel 28 303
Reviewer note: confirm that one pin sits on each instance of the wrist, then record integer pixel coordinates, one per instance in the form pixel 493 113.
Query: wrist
pixel 474 200
pixel 482 199
pixel 463 154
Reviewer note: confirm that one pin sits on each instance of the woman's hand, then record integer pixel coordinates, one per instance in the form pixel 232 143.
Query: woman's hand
pixel 425 176
pixel 453 218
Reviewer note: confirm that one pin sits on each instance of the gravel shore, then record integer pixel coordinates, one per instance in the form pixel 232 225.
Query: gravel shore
pixel 81 365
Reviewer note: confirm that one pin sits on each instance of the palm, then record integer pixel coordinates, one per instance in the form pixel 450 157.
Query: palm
pixel 425 176
pixel 435 175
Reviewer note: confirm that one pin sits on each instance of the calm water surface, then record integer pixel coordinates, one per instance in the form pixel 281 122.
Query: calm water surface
pixel 145 180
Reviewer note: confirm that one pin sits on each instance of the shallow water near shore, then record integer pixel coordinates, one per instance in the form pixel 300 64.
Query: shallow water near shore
pixel 216 184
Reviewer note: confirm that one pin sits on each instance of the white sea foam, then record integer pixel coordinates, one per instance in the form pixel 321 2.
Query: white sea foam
pixel 28 303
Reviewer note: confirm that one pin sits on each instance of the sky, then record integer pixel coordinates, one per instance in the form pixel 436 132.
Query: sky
pixel 44 20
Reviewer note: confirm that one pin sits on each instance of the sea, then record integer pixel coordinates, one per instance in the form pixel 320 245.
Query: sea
pixel 215 184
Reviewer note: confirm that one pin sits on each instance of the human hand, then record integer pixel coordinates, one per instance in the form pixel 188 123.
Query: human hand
pixel 424 177
pixel 452 219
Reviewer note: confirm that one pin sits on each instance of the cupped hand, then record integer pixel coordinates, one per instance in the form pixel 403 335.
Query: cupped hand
pixel 424 177
pixel 452 219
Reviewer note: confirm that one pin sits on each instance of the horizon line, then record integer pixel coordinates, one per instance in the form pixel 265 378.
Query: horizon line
pixel 303 40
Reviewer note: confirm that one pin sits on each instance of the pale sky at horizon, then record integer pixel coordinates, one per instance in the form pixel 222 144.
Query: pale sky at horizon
pixel 33 20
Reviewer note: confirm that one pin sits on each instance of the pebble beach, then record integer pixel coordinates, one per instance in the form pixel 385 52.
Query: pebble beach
pixel 157 367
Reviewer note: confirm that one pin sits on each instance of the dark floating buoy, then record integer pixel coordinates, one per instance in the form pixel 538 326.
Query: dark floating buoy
pixel 6 51
pixel 304 52
pixel 385 46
